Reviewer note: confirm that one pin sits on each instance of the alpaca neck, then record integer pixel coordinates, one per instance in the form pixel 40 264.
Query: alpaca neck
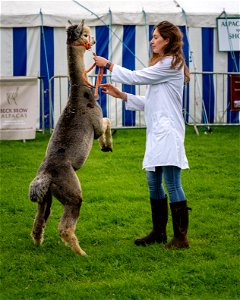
pixel 76 64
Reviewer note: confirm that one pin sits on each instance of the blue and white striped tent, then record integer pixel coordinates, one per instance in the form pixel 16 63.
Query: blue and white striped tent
pixel 33 43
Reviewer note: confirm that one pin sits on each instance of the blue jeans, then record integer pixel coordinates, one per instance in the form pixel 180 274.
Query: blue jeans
pixel 172 179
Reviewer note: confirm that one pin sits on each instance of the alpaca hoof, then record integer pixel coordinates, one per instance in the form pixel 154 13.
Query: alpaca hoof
pixel 106 149
pixel 81 253
pixel 37 242
pixel 37 238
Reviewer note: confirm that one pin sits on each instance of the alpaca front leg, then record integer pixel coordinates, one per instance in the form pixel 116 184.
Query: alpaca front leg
pixel 105 139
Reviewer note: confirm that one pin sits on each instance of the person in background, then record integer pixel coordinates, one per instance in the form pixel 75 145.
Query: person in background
pixel 165 129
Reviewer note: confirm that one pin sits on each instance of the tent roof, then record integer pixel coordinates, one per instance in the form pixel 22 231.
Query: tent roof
pixel 134 12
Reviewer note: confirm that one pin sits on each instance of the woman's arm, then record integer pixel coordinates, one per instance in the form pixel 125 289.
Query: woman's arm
pixel 160 72
pixel 133 102
pixel 156 74
pixel 113 91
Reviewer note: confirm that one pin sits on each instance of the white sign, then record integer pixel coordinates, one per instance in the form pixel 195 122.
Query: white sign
pixel 18 108
pixel 228 34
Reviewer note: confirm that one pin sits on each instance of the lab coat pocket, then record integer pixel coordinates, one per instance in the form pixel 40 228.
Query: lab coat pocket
pixel 160 124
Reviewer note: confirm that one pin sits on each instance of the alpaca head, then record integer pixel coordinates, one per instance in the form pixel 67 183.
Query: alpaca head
pixel 79 35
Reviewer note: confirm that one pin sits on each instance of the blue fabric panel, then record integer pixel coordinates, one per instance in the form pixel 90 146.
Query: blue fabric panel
pixel 128 117
pixel 19 51
pixel 232 116
pixel 207 65
pixel 150 31
pixel 186 51
pixel 150 37
pixel 47 60
pixel 102 43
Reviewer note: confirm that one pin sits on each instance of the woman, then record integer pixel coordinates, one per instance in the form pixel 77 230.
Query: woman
pixel 162 105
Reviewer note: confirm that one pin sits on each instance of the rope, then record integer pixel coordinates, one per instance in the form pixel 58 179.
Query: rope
pixel 98 81
pixel 44 44
pixel 100 19
pixel 110 26
pixel 146 29
pixel 47 67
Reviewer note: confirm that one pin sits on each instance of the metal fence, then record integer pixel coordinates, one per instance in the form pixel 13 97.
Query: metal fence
pixel 206 101
pixel 112 108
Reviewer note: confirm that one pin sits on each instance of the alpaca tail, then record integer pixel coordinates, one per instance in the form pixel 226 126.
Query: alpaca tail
pixel 39 187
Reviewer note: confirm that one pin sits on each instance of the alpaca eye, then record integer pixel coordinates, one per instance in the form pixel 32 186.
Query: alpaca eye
pixel 85 35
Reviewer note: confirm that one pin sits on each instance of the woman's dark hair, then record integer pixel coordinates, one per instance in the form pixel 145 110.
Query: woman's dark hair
pixel 173 48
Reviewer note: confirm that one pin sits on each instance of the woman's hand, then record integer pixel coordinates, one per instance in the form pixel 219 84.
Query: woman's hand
pixel 113 91
pixel 100 61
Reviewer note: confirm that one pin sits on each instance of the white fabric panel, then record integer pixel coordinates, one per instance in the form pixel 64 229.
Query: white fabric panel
pixel 60 52
pixel 142 53
pixel 89 54
pixel 220 83
pixel 33 60
pixel 33 51
pixel 141 47
pixel 195 94
pixel 6 58
pixel 116 38
pixel 115 105
pixel 60 69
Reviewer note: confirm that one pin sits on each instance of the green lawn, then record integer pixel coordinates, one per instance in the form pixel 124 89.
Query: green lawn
pixel 115 211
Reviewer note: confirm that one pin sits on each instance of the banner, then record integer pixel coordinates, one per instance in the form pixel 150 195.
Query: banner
pixel 228 34
pixel 18 108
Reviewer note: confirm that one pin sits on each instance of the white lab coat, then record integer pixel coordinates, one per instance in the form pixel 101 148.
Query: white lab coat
pixel 162 106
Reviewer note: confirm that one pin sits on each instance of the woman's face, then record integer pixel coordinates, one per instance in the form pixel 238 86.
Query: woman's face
pixel 158 42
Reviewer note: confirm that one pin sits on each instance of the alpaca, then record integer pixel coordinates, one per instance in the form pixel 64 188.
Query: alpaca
pixel 69 146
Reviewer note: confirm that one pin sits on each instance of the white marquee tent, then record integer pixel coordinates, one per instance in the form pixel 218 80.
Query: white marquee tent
pixel 33 43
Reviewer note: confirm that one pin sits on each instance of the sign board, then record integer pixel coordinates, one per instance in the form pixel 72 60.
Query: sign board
pixel 228 34
pixel 235 92
pixel 18 107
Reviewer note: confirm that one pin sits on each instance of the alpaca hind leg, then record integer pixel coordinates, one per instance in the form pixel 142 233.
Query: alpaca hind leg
pixel 67 227
pixel 105 139
pixel 43 212
pixel 67 189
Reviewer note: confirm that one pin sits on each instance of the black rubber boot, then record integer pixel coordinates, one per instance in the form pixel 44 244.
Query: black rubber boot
pixel 180 222
pixel 159 220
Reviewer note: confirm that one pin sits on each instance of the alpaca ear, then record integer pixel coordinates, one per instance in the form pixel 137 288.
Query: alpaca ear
pixel 69 24
pixel 80 27
pixel 82 23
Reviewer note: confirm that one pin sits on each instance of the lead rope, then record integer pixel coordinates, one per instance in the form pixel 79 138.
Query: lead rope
pixel 98 81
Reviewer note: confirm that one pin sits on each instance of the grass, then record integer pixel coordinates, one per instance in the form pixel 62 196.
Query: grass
pixel 115 210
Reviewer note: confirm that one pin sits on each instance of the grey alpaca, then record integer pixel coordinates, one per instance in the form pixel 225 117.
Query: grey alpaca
pixel 80 123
